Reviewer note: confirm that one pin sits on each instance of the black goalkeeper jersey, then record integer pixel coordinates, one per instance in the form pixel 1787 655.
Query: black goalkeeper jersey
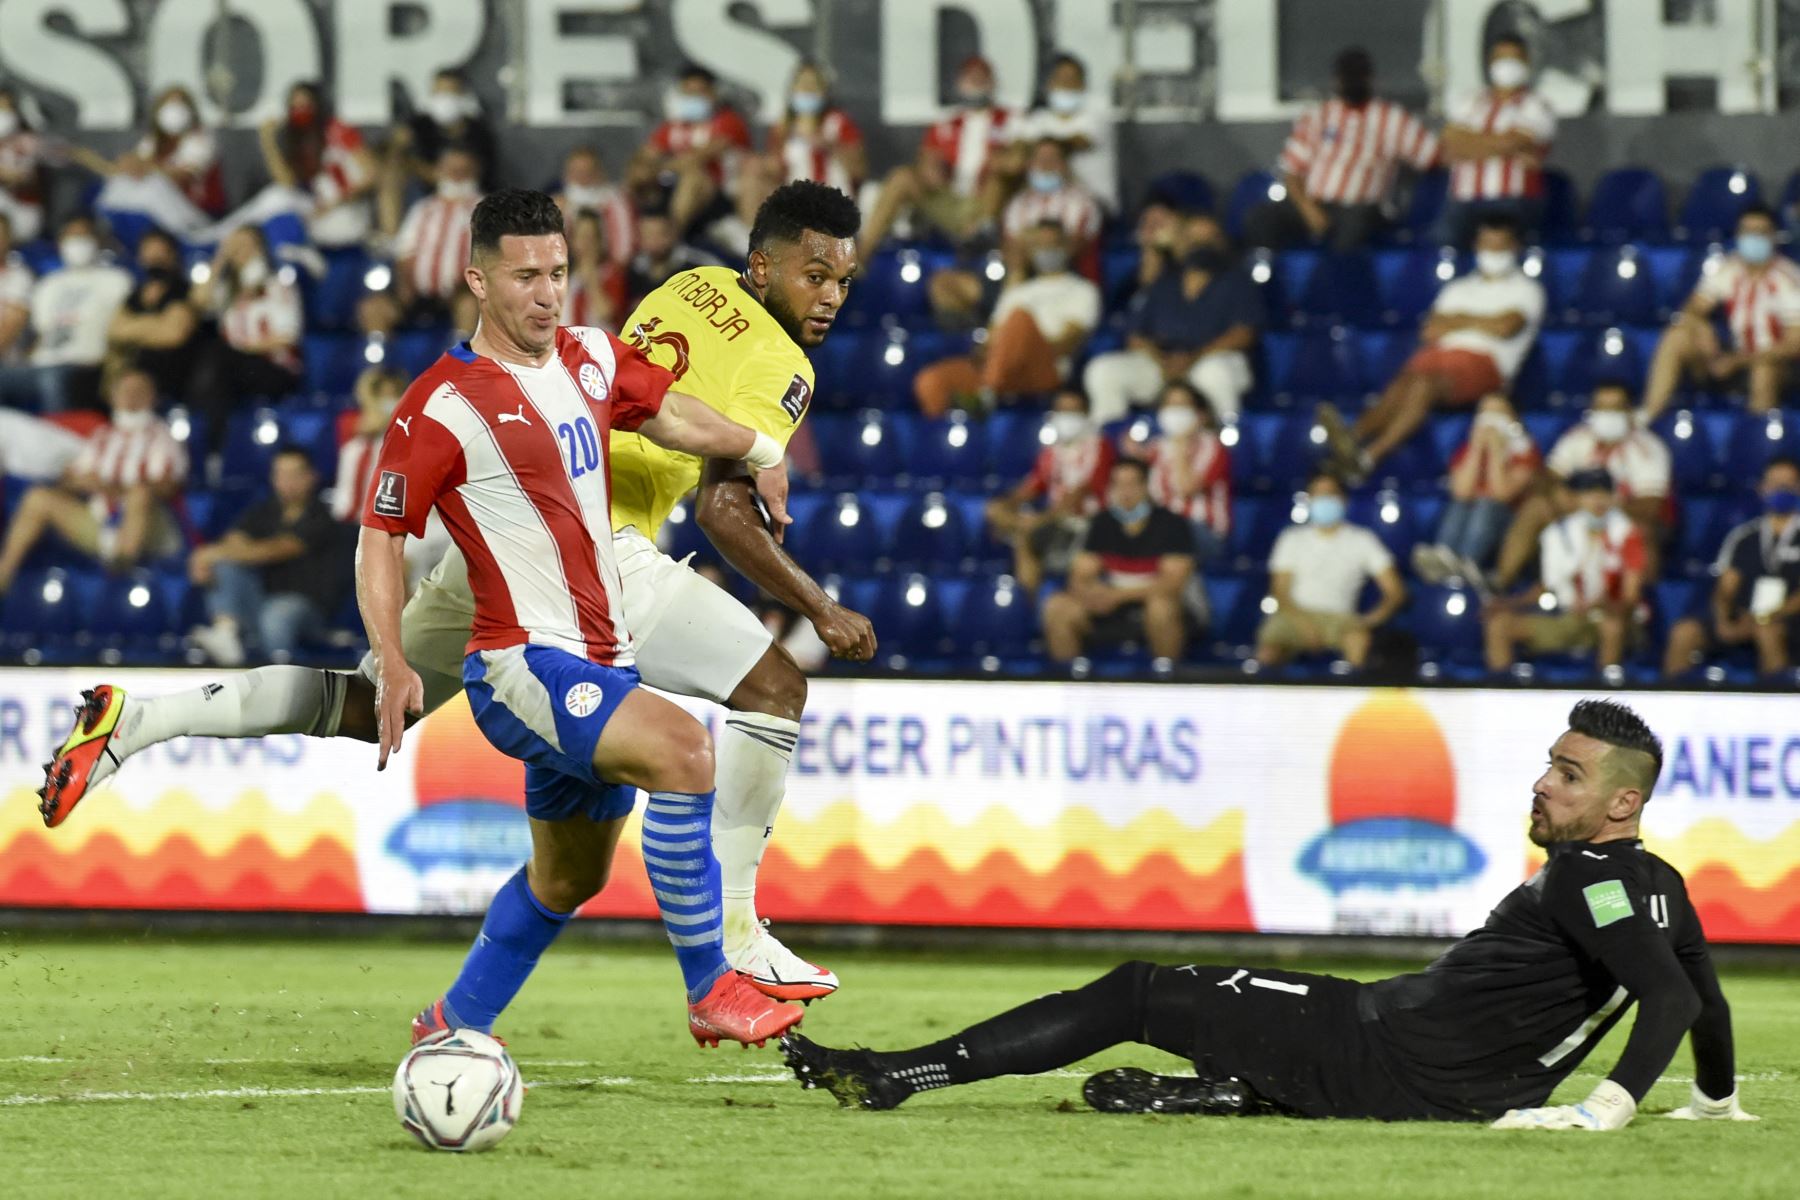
pixel 1507 1012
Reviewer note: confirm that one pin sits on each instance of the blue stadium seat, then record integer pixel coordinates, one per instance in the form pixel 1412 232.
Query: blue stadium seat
pixel 251 439
pixel 1672 600
pixel 860 449
pixel 1408 281
pixel 845 533
pixel 893 362
pixel 1711 209
pixel 1695 465
pixel 1389 515
pixel 1560 269
pixel 948 452
pixel 1425 205
pixel 836 387
pixel 1701 525
pixel 909 617
pixel 332 362
pixel 1448 433
pixel 1546 427
pixel 894 286
pixel 135 608
pixel 1447 623
pixel 1235 602
pixel 996 617
pixel 1562 216
pixel 1756 439
pixel 45 606
pixel 1118 274
pixel 1294 452
pixel 1014 441
pixel 1674 270
pixel 1188 191
pixel 1628 204
pixel 414 350
pixel 1256 521
pixel 682 536
pixel 1609 354
pixel 931 535
pixel 1381 355
pixel 331 300
pixel 313 430
pixel 1265 272
pixel 1313 365
pixel 1616 288
pixel 1340 288
pixel 1254 188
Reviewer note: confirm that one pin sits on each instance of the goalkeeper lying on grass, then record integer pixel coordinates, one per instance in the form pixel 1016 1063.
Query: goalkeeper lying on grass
pixel 1484 1033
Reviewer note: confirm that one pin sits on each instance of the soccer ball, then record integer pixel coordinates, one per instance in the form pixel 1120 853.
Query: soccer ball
pixel 458 1090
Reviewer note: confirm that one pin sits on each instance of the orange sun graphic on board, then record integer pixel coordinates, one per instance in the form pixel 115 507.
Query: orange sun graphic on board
pixel 454 761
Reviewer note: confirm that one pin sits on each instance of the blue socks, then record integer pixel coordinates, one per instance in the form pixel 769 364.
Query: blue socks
pixel 678 856
pixel 518 929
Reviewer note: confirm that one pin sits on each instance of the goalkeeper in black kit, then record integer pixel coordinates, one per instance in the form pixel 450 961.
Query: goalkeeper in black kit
pixel 1485 1033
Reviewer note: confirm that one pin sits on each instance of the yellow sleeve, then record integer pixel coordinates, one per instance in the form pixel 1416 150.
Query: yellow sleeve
pixel 770 395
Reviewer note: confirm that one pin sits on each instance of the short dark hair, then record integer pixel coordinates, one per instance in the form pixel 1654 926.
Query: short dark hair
pixel 1607 383
pixel 156 233
pixel 1756 208
pixel 1505 222
pixel 289 449
pixel 511 212
pixel 82 218
pixel 1064 58
pixel 1782 460
pixel 1353 62
pixel 1510 38
pixel 793 208
pixel 696 71
pixel 1134 464
pixel 1330 477
pixel 1618 726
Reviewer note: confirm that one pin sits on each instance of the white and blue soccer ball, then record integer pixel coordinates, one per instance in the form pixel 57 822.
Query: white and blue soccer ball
pixel 458 1090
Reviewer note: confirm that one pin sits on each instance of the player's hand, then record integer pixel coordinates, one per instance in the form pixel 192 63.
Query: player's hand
pixel 846 633
pixel 772 487
pixel 1607 1107
pixel 1701 1107
pixel 398 691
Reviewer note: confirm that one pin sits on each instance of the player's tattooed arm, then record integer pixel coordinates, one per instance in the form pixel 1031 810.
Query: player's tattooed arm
pixel 727 512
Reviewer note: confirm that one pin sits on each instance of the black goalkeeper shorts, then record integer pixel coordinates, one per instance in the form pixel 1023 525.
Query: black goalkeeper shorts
pixel 1297 1039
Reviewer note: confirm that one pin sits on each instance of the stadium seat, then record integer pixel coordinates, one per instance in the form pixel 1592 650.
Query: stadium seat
pixel 1252 189
pixel 1700 528
pixel 1265 273
pixel 1546 427
pixel 1380 356
pixel 1562 217
pixel 995 616
pixel 948 452
pixel 1674 270
pixel 1235 602
pixel 1449 430
pixel 1339 288
pixel 1711 209
pixel 331 299
pixel 1424 206
pixel 909 615
pixel 414 350
pixel 1256 521
pixel 251 439
pixel 1447 623
pixel 931 535
pixel 332 361
pixel 43 606
pixel 1628 204
pixel 1756 439
pixel 850 532
pixel 893 286
pixel 1616 288
pixel 1118 275
pixel 1014 440
pixel 864 448
pixel 1408 280
pixel 313 430
pixel 1389 515
pixel 1695 466
pixel 681 534
pixel 1317 364
pixel 1672 600
pixel 1187 191
pixel 135 608
pixel 1294 452
pixel 836 386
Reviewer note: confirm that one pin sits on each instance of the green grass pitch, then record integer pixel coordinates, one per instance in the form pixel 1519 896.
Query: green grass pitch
pixel 198 1066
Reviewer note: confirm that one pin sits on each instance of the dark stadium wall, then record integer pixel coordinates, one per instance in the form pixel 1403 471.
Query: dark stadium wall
pixel 1208 85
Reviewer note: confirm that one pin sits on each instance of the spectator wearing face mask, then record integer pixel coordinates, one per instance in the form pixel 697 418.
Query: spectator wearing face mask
pixel 158 328
pixel 21 169
pixel 260 320
pixel 1128 576
pixel 1477 334
pixel 1070 478
pixel 814 138
pixel 112 501
pixel 448 117
pixel 1339 164
pixel 1593 564
pixel 1190 468
pixel 72 308
pixel 951 187
pixel 1038 322
pixel 1756 601
pixel 171 177
pixel 319 169
pixel 433 247
pixel 1607 438
pixel 1317 571
pixel 1495 143
pixel 585 189
pixel 1760 293
pixel 1489 474
pixel 1051 193
pixel 697 149
pixel 1196 319
pixel 16 282
pixel 1077 118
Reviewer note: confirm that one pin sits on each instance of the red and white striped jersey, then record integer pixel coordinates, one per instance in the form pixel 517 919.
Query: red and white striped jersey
pixel 341 172
pixel 271 313
pixel 1078 466
pixel 966 140
pixel 1759 305
pixel 1502 176
pixel 1072 205
pixel 355 471
pixel 433 244
pixel 515 460
pixel 812 158
pixel 126 457
pixel 725 125
pixel 583 303
pixel 1347 155
pixel 1195 485
pixel 617 217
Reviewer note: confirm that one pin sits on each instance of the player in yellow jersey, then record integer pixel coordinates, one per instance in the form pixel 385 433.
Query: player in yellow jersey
pixel 738 341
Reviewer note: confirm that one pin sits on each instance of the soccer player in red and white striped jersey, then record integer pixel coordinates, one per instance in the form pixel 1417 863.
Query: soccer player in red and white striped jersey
pixel 1495 143
pixel 1760 292
pixel 432 248
pixel 506 437
pixel 113 501
pixel 1339 163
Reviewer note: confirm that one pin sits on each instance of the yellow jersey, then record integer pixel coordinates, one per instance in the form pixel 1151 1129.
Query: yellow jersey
pixel 725 348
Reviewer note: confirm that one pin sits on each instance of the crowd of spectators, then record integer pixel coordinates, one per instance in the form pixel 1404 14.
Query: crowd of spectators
pixel 1143 378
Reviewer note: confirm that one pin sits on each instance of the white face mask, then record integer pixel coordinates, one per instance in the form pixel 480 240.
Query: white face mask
pixel 253 274
pixel 1609 425
pixel 174 118
pixel 1509 73
pixel 456 189
pixel 9 122
pixel 134 421
pixel 1177 420
pixel 688 108
pixel 78 251
pixel 1496 262
pixel 447 108
pixel 1493 420
pixel 1069 426
pixel 1065 101
pixel 580 197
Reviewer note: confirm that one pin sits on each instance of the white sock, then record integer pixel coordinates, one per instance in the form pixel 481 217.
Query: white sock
pixel 243 704
pixel 753 753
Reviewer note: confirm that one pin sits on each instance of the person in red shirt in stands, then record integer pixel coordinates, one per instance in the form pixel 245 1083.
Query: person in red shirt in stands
pixel 815 139
pixel 697 149
pixel 1070 478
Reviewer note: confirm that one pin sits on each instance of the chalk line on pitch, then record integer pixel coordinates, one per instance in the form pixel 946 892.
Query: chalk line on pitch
pixel 268 1093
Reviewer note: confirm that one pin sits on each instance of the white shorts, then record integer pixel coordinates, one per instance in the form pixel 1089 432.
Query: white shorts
pixel 692 637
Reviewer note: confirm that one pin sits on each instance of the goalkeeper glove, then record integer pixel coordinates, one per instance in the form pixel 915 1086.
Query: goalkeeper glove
pixel 1608 1106
pixel 1701 1107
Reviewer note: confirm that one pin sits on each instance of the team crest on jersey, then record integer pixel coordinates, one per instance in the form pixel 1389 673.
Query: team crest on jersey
pixel 390 495
pixel 799 395
pixel 592 382
pixel 583 699
pixel 667 349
